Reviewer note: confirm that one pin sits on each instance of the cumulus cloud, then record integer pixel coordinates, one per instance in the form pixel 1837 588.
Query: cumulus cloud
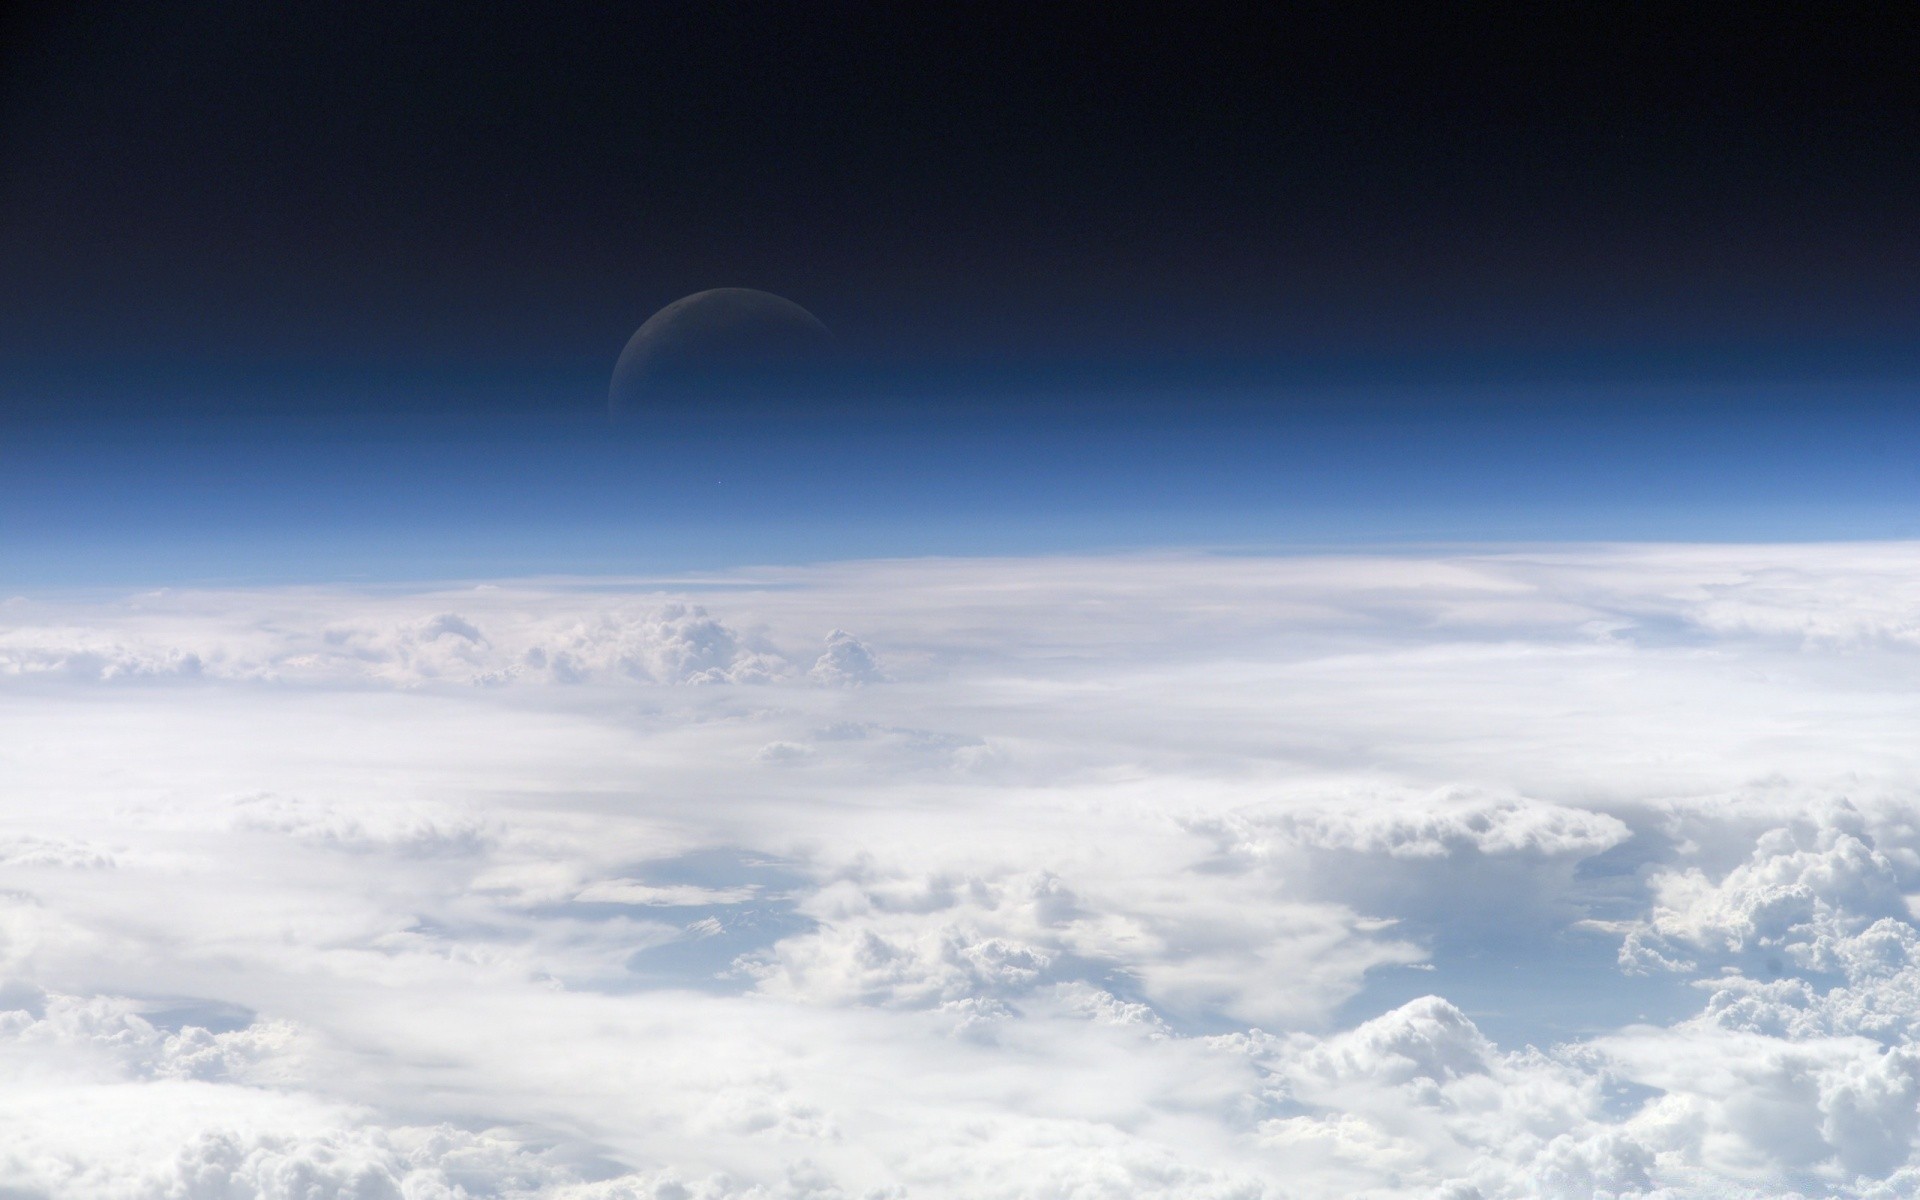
pixel 1415 827
pixel 845 662
pixel 1801 893
pixel 303 638
pixel 1570 873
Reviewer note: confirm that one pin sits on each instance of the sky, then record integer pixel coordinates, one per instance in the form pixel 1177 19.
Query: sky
pixel 1342 623
pixel 421 188
pixel 1476 255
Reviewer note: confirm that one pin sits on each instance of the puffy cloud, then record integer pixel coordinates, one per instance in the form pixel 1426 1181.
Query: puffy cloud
pixel 88 654
pixel 435 1163
pixel 1418 1101
pixel 363 639
pixel 980 945
pixel 1413 827
pixel 1112 884
pixel 71 1037
pixel 677 643
pixel 405 829
pixel 1801 893
pixel 846 662
pixel 27 850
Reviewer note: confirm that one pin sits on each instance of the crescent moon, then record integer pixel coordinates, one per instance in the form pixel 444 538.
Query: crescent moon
pixel 717 346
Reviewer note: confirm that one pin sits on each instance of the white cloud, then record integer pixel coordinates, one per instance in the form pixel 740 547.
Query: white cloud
pixel 397 641
pixel 1802 893
pixel 1414 827
pixel 846 662
pixel 632 891
pixel 1110 884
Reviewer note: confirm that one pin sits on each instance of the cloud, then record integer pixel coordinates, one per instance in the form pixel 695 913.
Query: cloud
pixel 846 662
pixel 349 639
pixel 1581 872
pixel 27 850
pixel 1801 893
pixel 676 643
pixel 1416 827
pixel 85 654
pixel 632 891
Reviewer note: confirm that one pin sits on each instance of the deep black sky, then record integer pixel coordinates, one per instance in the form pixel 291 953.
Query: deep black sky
pixel 249 193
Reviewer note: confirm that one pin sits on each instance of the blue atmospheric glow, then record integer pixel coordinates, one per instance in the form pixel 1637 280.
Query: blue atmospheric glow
pixel 424 494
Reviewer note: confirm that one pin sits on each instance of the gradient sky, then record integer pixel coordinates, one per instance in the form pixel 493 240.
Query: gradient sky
pixel 357 277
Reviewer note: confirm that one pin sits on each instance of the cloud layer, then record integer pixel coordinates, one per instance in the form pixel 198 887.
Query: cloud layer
pixel 1568 873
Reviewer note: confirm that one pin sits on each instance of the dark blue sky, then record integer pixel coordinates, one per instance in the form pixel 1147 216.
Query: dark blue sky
pixel 309 290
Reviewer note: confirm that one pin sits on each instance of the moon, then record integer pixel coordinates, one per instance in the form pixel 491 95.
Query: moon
pixel 728 346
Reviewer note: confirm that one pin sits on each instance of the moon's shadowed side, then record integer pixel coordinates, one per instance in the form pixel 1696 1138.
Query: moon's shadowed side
pixel 731 347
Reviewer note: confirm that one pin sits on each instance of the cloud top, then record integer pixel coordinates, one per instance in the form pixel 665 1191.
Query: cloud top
pixel 1579 873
